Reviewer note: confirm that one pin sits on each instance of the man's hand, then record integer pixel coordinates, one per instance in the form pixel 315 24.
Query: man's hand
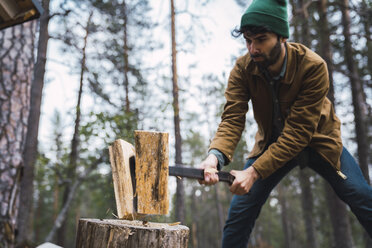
pixel 243 180
pixel 210 170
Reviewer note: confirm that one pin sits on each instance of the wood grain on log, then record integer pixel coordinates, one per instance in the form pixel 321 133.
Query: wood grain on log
pixel 120 154
pixel 152 159
pixel 94 233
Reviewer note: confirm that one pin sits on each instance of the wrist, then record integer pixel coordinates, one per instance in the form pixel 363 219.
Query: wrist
pixel 213 159
pixel 254 172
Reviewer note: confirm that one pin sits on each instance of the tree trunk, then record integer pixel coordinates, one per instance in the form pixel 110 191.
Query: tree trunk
pixel 307 208
pixel 96 233
pixel 358 95
pixel 126 60
pixel 325 47
pixel 30 153
pixel 220 215
pixel 342 237
pixel 16 66
pixel 75 139
pixel 180 206
pixel 195 220
pixel 304 174
pixel 366 20
pixel 285 220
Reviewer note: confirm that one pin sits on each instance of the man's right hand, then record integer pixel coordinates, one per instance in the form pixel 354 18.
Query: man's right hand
pixel 210 170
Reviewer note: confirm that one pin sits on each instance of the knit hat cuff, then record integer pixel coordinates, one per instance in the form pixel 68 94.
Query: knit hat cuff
pixel 276 24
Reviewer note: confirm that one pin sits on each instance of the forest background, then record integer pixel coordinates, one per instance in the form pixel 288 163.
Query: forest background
pixel 89 72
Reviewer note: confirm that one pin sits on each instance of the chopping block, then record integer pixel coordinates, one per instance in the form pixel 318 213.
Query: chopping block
pixel 140 174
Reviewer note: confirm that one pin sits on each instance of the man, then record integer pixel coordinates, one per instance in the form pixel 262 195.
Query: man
pixel 287 84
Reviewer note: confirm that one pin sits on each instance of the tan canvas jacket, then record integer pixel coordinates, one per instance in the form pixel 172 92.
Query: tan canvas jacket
pixel 310 119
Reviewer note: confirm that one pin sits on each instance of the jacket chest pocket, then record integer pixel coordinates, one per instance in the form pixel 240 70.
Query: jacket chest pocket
pixel 287 96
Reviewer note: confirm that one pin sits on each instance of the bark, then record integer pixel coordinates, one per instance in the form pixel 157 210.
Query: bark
pixel 75 139
pixel 358 96
pixel 30 153
pixel 16 66
pixel 180 206
pixel 130 234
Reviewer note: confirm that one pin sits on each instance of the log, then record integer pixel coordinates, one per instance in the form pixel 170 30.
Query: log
pixel 120 154
pixel 94 233
pixel 152 159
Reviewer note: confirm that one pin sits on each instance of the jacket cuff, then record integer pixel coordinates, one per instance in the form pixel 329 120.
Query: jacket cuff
pixel 220 157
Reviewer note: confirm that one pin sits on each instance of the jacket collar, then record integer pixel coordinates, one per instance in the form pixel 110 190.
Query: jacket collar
pixel 291 66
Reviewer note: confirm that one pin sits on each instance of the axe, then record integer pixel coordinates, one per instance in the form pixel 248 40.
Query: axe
pixel 140 174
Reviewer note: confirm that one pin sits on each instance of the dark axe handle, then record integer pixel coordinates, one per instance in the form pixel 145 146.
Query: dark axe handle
pixel 190 172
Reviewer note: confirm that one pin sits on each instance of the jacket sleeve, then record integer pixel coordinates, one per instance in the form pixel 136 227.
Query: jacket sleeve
pixel 300 124
pixel 233 117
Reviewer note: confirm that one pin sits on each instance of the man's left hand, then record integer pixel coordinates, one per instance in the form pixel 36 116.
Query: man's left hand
pixel 243 180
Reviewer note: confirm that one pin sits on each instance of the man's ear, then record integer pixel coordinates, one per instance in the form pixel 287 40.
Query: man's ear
pixel 283 40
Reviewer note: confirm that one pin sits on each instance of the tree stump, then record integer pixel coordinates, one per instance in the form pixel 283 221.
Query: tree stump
pixel 130 234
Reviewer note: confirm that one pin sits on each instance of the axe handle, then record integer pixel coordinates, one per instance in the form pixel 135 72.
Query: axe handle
pixel 190 172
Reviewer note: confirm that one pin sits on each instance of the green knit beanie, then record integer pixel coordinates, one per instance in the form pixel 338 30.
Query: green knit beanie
pixel 270 13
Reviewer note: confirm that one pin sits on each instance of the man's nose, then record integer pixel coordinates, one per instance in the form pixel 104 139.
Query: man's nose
pixel 253 48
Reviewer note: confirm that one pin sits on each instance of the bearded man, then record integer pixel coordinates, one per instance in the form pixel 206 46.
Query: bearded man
pixel 288 85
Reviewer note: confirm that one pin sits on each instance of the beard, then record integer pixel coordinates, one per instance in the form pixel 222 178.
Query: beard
pixel 270 59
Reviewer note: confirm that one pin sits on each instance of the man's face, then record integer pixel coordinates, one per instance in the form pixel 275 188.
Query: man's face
pixel 265 48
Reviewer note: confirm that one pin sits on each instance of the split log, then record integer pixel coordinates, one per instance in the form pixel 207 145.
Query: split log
pixel 121 153
pixel 94 233
pixel 152 159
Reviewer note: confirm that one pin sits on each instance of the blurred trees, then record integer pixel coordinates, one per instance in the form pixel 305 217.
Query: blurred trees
pixel 119 54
